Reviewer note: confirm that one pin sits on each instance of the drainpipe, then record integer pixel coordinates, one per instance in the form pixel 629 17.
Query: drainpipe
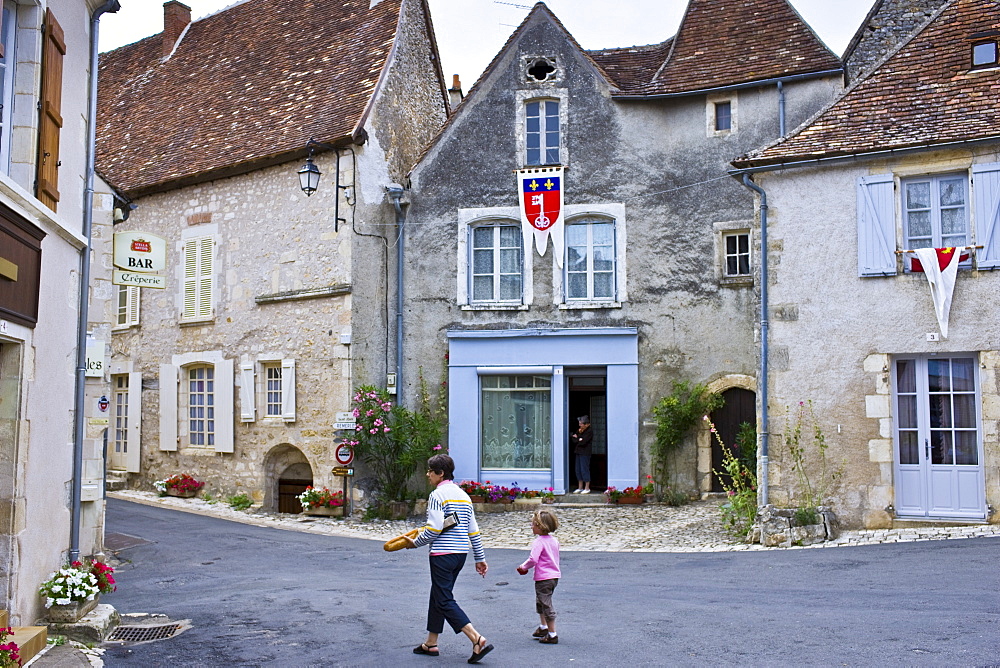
pixel 395 193
pixel 781 109
pixel 111 6
pixel 762 385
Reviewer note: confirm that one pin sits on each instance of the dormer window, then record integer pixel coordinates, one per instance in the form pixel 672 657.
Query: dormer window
pixel 542 132
pixel 985 54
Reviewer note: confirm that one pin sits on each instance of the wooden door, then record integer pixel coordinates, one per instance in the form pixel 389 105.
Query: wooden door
pixel 740 407
pixel 288 492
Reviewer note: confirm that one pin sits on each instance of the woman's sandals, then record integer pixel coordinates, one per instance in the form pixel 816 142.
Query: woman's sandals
pixel 429 650
pixel 483 650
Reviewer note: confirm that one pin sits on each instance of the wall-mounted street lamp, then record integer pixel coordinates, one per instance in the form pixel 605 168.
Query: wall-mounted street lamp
pixel 309 176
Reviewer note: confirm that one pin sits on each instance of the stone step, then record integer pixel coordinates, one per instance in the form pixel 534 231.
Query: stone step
pixel 30 641
pixel 592 499
pixel 115 481
pixel 4 623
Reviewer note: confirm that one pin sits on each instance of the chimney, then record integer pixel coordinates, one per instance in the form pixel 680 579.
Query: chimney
pixel 176 17
pixel 455 92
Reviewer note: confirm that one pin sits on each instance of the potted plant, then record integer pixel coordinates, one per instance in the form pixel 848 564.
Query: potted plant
pixel 476 490
pixel 635 494
pixel 181 485
pixel 322 502
pixel 500 494
pixel 648 489
pixel 548 495
pixel 528 497
pixel 73 591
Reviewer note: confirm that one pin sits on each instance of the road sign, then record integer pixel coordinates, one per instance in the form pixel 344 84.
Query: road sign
pixel 345 454
pixel 343 471
pixel 345 420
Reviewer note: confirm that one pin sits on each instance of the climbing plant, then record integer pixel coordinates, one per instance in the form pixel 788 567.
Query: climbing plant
pixel 676 415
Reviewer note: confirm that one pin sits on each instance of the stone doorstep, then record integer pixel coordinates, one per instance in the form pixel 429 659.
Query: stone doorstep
pixel 4 619
pixel 94 627
pixel 30 641
pixel 936 524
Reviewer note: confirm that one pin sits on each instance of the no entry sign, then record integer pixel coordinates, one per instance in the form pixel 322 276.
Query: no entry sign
pixel 345 454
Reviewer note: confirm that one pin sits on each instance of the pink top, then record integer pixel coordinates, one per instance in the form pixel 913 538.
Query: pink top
pixel 544 558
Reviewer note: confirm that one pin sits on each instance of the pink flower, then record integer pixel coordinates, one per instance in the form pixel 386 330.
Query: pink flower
pixel 386 430
pixel 436 447
pixel 373 431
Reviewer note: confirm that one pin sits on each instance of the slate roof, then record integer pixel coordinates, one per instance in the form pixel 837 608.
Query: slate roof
pixel 245 86
pixel 723 43
pixel 922 95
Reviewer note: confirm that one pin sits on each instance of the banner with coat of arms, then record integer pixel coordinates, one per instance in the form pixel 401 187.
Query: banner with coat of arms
pixel 541 201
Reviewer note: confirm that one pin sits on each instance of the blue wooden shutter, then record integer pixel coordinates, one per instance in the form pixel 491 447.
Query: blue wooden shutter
pixel 876 226
pixel 986 200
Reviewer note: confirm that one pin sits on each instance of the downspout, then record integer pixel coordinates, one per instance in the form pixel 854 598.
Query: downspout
pixel 781 109
pixel 762 385
pixel 111 6
pixel 395 193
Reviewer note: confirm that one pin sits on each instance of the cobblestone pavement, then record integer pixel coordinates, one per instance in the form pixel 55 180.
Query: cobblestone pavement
pixel 695 527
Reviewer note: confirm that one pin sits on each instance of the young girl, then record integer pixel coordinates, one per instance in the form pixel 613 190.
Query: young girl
pixel 544 558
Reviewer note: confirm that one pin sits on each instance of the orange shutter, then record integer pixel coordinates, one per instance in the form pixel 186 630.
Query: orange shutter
pixel 53 50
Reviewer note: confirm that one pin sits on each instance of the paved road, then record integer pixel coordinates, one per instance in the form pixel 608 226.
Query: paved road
pixel 266 597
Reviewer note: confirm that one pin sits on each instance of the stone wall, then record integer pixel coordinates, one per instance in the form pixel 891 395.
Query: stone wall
pixel 889 24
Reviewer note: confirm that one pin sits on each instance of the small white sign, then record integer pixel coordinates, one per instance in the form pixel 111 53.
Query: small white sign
pixel 141 280
pixel 95 358
pixel 140 251
pixel 345 425
pixel 345 416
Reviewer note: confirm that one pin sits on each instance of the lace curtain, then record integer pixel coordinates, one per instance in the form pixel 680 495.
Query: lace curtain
pixel 516 422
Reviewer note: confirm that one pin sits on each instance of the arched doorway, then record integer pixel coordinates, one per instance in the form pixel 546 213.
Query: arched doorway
pixel 288 473
pixel 740 406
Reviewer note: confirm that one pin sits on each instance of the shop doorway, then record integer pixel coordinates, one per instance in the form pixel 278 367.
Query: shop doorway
pixel 587 395
pixel 740 406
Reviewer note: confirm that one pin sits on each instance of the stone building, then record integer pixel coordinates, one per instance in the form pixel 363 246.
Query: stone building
pixel 276 304
pixel 51 418
pixel 648 282
pixel 908 158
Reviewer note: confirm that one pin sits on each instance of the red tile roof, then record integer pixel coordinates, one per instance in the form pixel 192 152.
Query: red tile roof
pixel 244 87
pixel 925 94
pixel 723 43
pixel 632 67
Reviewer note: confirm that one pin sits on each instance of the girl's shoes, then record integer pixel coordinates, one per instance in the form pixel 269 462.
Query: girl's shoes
pixel 429 650
pixel 549 640
pixel 540 633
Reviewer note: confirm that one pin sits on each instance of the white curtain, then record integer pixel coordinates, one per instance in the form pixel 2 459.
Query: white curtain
pixel 516 422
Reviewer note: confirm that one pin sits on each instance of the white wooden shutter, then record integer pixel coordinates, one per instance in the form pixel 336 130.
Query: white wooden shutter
pixel 197 283
pixel 248 392
pixel 288 390
pixel 876 225
pixel 168 407
pixel 986 200
pixel 134 433
pixel 224 409
pixel 131 305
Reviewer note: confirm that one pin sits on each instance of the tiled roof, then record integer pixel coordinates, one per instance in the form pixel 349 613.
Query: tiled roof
pixel 724 43
pixel 632 67
pixel 246 85
pixel 923 95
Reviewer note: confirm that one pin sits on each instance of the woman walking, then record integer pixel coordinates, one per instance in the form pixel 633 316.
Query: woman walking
pixel 450 531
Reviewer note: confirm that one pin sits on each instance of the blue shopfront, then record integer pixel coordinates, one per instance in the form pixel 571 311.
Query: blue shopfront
pixel 515 394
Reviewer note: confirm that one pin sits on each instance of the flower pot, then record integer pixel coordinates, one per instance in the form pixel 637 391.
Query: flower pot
pixel 528 502
pixel 477 499
pixel 548 499
pixel 72 612
pixel 181 493
pixel 650 498
pixel 630 499
pixel 325 511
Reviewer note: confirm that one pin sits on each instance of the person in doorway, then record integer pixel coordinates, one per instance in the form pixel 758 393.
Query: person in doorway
pixel 450 532
pixel 582 441
pixel 544 558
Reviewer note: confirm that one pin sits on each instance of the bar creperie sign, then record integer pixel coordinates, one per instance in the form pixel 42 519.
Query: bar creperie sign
pixel 139 256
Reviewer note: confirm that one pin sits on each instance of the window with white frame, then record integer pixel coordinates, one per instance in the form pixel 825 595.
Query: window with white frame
pixel 986 54
pixel 541 132
pixel 516 422
pixel 496 263
pixel 936 211
pixel 127 306
pixel 590 264
pixel 736 249
pixel 272 390
pixel 721 110
pixel 197 286
pixel 121 389
pixel 200 404
pixel 8 30
pixel 276 391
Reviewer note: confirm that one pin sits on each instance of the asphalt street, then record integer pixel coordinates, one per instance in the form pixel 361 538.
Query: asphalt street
pixel 265 597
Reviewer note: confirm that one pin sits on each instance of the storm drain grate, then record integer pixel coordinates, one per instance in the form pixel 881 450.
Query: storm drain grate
pixel 144 633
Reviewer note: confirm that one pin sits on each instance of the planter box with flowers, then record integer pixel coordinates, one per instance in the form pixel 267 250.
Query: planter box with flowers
pixel 322 502
pixel 73 591
pixel 633 495
pixel 499 498
pixel 181 485
pixel 528 497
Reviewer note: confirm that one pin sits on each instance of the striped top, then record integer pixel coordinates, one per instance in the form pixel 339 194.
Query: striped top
pixel 449 498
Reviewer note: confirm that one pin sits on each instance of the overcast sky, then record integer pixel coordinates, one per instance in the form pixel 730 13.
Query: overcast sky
pixel 470 32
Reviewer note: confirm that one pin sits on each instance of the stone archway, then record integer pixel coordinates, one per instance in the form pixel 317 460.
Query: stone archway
pixel 287 473
pixel 705 438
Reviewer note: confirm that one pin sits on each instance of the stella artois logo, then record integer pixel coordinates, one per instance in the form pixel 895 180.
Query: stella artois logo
pixel 542 208
pixel 141 246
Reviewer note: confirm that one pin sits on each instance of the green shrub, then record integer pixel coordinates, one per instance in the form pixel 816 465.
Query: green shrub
pixel 239 502
pixel 675 416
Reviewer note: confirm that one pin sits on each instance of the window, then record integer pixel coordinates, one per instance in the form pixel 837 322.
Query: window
pixel 540 69
pixel 737 254
pixel 273 390
pixel 276 393
pixel 8 30
pixel 723 116
pixel 590 260
pixel 516 422
pixel 121 416
pixel 197 283
pixel 935 211
pixel 201 405
pixel 542 132
pixel 497 263
pixel 984 54
pixel 127 308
